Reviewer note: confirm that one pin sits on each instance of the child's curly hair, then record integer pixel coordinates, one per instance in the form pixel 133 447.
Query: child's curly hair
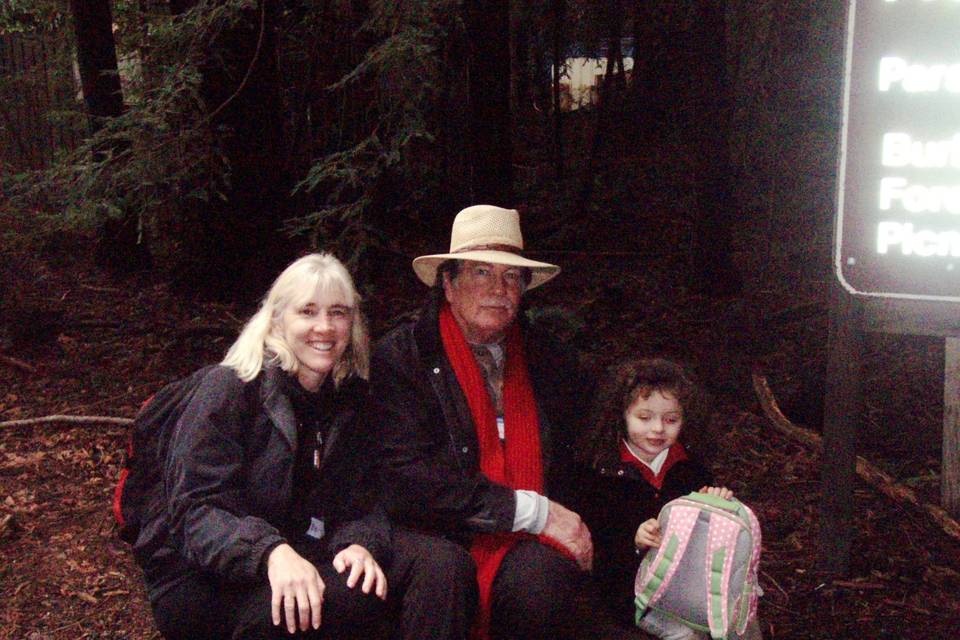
pixel 622 385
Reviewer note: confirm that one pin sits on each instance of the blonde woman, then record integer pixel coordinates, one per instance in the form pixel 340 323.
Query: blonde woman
pixel 263 527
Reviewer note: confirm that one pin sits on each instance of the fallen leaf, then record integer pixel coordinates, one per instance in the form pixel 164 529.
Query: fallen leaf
pixel 14 461
pixel 941 575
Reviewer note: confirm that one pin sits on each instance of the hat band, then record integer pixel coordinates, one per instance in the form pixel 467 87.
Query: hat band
pixel 506 248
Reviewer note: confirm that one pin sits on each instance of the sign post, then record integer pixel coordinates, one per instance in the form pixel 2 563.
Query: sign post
pixel 897 231
pixel 841 411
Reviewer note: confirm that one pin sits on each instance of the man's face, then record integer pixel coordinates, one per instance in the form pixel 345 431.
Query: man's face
pixel 484 299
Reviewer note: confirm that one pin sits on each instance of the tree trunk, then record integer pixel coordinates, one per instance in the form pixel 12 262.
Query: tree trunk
pixel 239 246
pixel 644 56
pixel 97 59
pixel 520 20
pixel 120 247
pixel 615 70
pixel 488 34
pixel 558 13
pixel 609 95
pixel 709 124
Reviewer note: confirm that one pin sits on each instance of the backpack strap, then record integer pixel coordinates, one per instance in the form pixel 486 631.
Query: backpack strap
pixel 721 543
pixel 651 584
pixel 748 603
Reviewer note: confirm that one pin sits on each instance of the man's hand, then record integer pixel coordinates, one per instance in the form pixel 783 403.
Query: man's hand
pixel 568 529
pixel 648 534
pixel 295 583
pixel 361 563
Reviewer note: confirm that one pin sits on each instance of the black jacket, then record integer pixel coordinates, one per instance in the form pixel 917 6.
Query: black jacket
pixel 431 461
pixel 228 489
pixel 614 500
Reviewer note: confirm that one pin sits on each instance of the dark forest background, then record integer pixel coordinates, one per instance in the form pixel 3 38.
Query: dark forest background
pixel 237 133
pixel 161 160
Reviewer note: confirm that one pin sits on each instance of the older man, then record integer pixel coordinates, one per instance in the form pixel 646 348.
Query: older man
pixel 479 411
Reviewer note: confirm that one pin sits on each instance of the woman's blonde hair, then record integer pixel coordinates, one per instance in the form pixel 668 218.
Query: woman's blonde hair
pixel 261 344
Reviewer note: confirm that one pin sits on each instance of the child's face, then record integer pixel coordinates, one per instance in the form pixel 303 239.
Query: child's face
pixel 653 423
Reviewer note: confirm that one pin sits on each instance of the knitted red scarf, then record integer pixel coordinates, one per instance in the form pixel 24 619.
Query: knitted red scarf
pixel 675 455
pixel 516 463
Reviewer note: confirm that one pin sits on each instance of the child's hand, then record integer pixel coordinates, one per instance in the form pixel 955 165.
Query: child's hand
pixel 720 492
pixel 648 534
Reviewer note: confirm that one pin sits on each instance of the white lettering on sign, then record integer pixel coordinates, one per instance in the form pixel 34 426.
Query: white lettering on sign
pixel 918 198
pixel 923 242
pixel 896 72
pixel 901 150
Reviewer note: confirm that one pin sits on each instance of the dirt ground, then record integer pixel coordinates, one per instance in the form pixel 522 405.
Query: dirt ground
pixel 77 342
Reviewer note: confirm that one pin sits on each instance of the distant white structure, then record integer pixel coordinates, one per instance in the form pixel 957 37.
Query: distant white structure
pixel 579 84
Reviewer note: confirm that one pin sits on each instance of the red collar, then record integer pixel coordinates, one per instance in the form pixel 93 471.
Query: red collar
pixel 675 455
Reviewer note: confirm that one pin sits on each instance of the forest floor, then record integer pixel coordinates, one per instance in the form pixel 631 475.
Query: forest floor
pixel 75 341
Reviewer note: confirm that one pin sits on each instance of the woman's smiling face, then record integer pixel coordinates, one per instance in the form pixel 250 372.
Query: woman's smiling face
pixel 653 423
pixel 317 330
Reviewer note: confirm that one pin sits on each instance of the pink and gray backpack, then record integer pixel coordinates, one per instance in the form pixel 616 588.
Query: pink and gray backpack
pixel 704 574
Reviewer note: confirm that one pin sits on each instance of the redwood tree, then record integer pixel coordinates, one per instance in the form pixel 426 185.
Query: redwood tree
pixel 238 245
pixel 119 244
pixel 709 125
pixel 491 157
pixel 97 59
pixel 558 11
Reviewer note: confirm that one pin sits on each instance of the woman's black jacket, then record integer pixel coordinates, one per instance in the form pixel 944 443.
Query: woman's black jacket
pixel 228 474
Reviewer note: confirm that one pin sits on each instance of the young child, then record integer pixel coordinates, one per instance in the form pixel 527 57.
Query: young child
pixel 633 463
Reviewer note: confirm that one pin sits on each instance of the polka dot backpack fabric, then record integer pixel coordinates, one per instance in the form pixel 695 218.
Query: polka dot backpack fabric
pixel 704 574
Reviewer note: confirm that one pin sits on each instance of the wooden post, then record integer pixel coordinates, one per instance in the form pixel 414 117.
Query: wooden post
pixel 841 414
pixel 950 467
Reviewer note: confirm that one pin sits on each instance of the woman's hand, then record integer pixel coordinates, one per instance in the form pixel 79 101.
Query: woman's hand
pixel 648 534
pixel 361 563
pixel 721 492
pixel 295 583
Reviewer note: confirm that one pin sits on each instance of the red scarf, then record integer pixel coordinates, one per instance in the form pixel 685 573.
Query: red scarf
pixel 675 455
pixel 516 463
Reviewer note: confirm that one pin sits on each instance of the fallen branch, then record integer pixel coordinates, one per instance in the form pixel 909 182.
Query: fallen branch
pixel 910 607
pixel 90 287
pixel 68 420
pixel 863 586
pixel 18 364
pixel 882 481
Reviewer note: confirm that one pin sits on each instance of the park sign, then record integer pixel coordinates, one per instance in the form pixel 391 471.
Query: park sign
pixel 898 199
pixel 897 233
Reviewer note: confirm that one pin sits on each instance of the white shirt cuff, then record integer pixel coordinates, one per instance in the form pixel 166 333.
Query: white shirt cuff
pixel 531 513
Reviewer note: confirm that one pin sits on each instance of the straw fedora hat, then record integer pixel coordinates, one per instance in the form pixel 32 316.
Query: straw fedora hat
pixel 485 233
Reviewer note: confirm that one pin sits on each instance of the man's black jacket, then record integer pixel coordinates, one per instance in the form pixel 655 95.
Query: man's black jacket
pixel 430 451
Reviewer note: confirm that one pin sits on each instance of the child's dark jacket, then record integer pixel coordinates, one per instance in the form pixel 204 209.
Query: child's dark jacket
pixel 615 500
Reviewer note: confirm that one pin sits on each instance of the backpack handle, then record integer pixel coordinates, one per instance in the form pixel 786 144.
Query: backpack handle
pixel 715 501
